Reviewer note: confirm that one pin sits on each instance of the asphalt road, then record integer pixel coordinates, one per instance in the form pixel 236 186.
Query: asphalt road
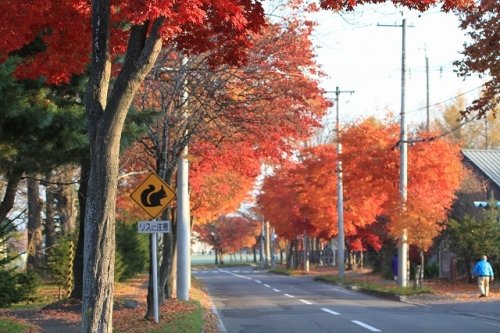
pixel 252 301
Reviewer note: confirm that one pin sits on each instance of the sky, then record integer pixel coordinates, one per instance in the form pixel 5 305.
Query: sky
pixel 357 54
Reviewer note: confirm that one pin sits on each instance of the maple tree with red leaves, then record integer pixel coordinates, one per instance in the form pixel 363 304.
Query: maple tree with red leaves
pixel 56 40
pixel 481 54
pixel 230 127
pixel 228 234
pixel 302 198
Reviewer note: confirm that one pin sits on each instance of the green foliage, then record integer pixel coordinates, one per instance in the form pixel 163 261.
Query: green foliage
pixel 373 288
pixel 40 129
pixel 132 254
pixel 8 292
pixel 8 325
pixel 6 227
pixel 59 263
pixel 28 283
pixel 185 322
pixel 472 237
pixel 432 270
pixel 17 287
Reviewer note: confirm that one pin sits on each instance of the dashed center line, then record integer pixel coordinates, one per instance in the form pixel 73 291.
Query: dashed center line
pixel 357 322
pixel 330 311
pixel 368 327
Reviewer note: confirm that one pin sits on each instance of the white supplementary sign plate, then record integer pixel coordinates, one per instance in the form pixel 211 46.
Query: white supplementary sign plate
pixel 149 227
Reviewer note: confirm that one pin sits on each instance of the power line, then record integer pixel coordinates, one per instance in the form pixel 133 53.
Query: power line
pixel 435 137
pixel 447 100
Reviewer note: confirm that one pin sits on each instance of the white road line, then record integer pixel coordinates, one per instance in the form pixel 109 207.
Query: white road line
pixel 287 295
pixel 304 301
pixel 368 327
pixel 330 311
pixel 266 285
pixel 277 290
pixel 220 324
pixel 237 275
pixel 258 281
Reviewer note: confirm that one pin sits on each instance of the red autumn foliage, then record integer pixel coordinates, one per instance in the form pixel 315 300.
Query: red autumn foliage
pixel 229 234
pixel 65 31
pixel 304 197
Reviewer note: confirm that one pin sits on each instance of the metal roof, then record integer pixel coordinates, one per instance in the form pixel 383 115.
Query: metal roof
pixel 488 161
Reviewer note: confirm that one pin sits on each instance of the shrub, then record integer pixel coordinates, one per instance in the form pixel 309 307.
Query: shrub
pixel 432 270
pixel 8 292
pixel 60 264
pixel 17 287
pixel 132 254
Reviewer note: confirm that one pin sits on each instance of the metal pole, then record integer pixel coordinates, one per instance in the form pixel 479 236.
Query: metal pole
pixel 427 124
pixel 183 217
pixel 340 194
pixel 403 172
pixel 154 252
pixel 261 250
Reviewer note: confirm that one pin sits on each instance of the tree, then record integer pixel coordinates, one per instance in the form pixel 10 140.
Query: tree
pixel 481 54
pixel 370 164
pixel 473 133
pixel 472 237
pixel 229 234
pixel 227 116
pixel 193 26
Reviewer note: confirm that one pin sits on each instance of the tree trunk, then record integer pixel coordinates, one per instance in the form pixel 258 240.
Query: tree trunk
pixel 167 262
pixel 65 207
pixel 77 291
pixel 50 227
pixel 106 116
pixel 35 254
pixel 9 196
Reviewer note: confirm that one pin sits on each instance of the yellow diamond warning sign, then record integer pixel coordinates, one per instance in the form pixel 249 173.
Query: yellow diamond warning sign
pixel 153 195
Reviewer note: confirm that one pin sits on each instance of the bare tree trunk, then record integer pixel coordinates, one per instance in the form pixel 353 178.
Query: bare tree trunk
pixel 35 255
pixel 9 196
pixel 65 202
pixel 77 291
pixel 50 228
pixel 106 112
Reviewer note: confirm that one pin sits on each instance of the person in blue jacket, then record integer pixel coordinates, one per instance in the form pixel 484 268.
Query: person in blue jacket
pixel 484 274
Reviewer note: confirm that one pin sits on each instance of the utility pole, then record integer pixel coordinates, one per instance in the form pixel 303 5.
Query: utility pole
pixel 340 190
pixel 183 213
pixel 427 124
pixel 403 166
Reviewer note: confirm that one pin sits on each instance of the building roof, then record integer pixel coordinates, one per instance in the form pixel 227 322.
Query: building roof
pixel 487 161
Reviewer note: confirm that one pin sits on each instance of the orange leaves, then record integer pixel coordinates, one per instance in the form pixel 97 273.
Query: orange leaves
pixel 229 233
pixel 434 174
pixel 303 197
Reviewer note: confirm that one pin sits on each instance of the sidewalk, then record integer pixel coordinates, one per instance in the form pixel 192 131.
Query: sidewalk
pixel 468 304
pixel 454 296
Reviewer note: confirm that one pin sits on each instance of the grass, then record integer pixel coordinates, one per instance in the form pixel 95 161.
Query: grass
pixel 184 322
pixel 371 287
pixel 12 325
pixel 285 271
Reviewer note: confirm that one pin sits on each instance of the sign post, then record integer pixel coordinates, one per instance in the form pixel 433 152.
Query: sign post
pixel 153 195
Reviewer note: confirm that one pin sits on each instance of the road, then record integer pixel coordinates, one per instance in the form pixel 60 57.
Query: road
pixel 253 301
